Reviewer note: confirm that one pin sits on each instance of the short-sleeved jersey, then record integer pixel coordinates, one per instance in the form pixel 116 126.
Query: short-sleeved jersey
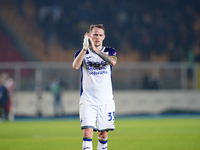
pixel 96 78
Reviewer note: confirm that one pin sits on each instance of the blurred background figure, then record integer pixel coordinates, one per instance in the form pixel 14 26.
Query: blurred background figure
pixel 4 99
pixel 150 81
pixel 10 85
pixel 55 87
pixel 39 90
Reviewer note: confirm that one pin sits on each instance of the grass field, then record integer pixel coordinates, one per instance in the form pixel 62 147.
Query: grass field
pixel 131 134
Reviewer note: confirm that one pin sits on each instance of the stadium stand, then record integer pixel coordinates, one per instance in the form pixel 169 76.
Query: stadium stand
pixel 166 30
pixel 8 51
pixel 27 29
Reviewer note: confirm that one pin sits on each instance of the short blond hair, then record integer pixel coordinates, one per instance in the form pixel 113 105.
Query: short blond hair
pixel 97 26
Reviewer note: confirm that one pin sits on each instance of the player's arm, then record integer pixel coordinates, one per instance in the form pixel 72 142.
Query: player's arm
pixel 79 58
pixel 109 59
pixel 112 60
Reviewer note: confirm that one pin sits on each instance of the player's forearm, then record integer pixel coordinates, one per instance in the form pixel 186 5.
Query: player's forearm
pixel 109 59
pixel 78 60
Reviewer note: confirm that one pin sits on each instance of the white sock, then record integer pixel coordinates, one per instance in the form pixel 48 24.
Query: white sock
pixel 87 144
pixel 102 144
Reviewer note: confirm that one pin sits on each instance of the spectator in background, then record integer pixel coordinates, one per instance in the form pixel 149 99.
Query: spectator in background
pixel 10 85
pixel 4 98
pixel 197 55
pixel 150 82
pixel 49 18
pixel 55 87
pixel 190 70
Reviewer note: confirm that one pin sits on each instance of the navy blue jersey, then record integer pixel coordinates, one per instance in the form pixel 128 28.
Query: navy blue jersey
pixel 3 95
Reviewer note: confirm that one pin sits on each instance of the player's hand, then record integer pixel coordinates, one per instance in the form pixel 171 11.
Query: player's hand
pixel 93 48
pixel 85 42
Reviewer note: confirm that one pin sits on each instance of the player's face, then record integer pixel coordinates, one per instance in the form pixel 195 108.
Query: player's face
pixel 97 36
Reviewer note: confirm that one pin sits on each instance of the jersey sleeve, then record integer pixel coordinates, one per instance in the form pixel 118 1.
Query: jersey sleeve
pixel 76 54
pixel 112 52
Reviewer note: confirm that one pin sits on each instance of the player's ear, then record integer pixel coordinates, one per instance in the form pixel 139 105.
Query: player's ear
pixel 104 36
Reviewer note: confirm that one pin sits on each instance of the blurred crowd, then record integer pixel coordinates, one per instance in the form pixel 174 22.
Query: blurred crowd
pixel 170 27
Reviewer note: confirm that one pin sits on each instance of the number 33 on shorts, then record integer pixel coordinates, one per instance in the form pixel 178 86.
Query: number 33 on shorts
pixel 111 116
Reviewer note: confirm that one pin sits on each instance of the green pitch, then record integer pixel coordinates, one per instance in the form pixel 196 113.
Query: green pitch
pixel 130 134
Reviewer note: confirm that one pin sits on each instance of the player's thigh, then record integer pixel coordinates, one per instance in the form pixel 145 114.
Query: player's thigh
pixel 106 117
pixel 87 114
